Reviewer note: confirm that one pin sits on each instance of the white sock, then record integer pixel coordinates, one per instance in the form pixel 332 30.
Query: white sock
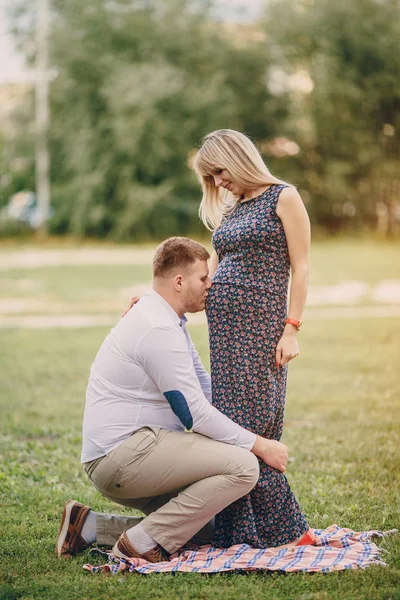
pixel 140 539
pixel 89 527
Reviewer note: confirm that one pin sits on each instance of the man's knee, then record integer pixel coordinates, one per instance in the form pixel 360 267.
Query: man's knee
pixel 248 469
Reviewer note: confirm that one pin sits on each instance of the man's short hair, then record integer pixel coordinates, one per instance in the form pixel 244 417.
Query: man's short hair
pixel 177 253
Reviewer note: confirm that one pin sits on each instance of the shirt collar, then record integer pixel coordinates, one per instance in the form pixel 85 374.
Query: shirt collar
pixel 180 321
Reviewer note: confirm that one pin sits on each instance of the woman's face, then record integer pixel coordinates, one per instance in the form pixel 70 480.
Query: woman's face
pixel 222 178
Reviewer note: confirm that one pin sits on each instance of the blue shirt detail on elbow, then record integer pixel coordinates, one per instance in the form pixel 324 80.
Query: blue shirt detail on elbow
pixel 180 408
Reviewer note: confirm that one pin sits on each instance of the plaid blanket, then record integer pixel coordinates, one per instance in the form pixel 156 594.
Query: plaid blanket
pixel 336 549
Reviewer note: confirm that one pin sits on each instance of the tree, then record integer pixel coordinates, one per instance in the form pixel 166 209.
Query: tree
pixel 138 85
pixel 348 127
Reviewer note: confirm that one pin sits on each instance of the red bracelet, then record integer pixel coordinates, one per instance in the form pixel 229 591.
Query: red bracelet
pixel 293 322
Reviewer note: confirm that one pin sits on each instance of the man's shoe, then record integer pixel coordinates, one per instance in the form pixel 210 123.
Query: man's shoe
pixel 124 549
pixel 69 540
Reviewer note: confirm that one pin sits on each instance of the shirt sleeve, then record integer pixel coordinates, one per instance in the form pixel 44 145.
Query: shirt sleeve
pixel 165 356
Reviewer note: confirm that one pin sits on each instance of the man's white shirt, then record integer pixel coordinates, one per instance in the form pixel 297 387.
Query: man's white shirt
pixel 147 373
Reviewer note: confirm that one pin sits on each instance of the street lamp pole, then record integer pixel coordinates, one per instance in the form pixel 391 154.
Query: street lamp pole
pixel 42 113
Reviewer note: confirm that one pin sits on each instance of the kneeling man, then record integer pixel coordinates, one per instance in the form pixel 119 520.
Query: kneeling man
pixel 151 438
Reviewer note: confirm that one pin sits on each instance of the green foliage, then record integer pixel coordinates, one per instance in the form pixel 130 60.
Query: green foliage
pixel 138 86
pixel 12 228
pixel 16 153
pixel 139 83
pixel 349 126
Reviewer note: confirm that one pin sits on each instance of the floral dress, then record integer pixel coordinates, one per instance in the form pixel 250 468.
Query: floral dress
pixel 246 311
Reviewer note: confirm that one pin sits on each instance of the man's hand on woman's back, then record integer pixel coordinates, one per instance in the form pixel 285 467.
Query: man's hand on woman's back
pixel 134 300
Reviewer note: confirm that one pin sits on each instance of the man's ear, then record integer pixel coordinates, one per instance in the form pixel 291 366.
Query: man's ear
pixel 178 280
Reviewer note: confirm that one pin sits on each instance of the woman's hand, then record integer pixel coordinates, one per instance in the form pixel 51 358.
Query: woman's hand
pixel 131 303
pixel 287 348
pixel 272 452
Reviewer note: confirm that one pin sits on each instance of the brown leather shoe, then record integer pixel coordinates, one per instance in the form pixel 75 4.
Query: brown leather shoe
pixel 69 540
pixel 124 549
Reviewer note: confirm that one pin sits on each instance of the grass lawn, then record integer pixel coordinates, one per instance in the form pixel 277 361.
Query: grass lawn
pixel 342 427
pixel 336 260
pixel 91 289
pixel 86 289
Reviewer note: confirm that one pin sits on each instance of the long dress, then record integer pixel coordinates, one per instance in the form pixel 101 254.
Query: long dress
pixel 246 310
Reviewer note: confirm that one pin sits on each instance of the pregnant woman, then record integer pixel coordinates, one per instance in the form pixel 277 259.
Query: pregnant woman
pixel 261 232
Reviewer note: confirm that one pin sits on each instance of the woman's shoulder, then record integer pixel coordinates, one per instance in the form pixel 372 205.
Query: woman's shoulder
pixel 272 194
pixel 275 189
pixel 276 196
pixel 279 187
pixel 290 204
pixel 287 194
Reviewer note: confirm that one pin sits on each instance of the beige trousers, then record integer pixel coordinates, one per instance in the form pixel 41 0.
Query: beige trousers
pixel 179 480
pixel 109 528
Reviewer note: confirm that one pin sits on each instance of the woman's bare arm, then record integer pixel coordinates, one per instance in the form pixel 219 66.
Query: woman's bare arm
pixel 291 210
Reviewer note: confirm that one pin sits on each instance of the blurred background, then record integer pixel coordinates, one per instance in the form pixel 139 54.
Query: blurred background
pixel 103 102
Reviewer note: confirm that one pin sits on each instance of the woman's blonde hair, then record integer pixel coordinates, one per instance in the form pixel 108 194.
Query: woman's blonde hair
pixel 234 151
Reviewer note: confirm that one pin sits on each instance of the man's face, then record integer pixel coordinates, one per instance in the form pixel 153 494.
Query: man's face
pixel 196 284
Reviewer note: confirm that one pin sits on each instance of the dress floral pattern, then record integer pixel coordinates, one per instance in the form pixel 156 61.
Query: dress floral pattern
pixel 246 310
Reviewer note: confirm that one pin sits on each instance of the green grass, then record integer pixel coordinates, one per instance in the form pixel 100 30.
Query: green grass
pixel 333 261
pixel 341 426
pixel 92 289
pixel 86 289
